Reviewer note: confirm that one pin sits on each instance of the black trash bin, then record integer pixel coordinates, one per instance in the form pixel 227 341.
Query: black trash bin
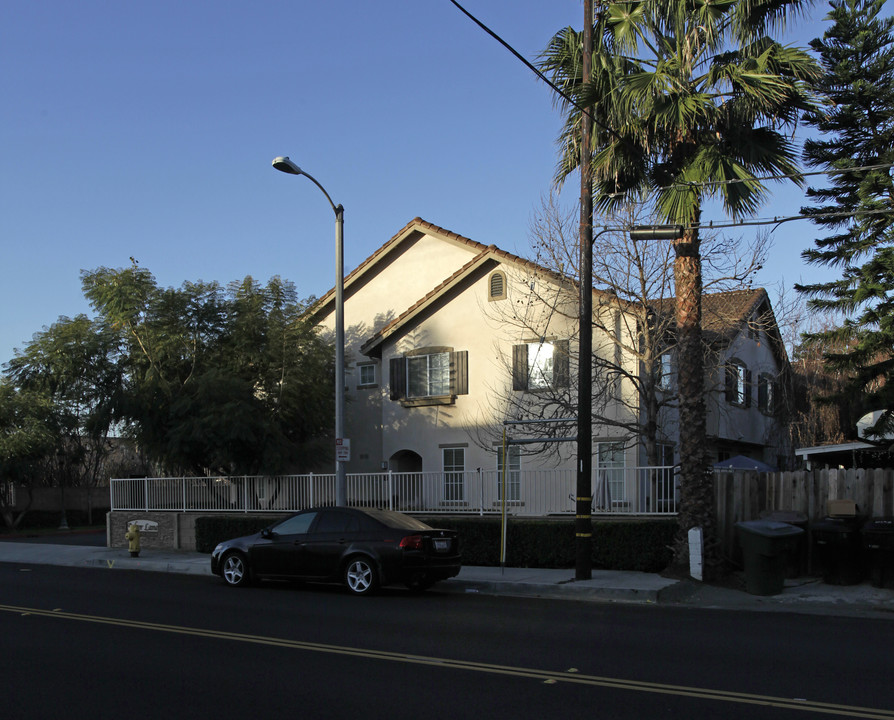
pixel 878 541
pixel 796 557
pixel 839 549
pixel 766 545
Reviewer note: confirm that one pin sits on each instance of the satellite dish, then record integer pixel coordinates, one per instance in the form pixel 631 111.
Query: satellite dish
pixel 869 420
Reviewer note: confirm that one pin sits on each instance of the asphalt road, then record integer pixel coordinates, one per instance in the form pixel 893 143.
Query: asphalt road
pixel 91 538
pixel 85 643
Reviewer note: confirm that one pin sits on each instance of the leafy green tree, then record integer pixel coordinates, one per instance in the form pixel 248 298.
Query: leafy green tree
pixel 689 100
pixel 856 146
pixel 27 436
pixel 74 366
pixel 225 381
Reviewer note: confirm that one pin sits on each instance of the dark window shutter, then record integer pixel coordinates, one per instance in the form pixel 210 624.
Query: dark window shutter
pixel 730 383
pixel 460 362
pixel 519 367
pixel 762 396
pixel 561 364
pixel 398 370
pixel 747 397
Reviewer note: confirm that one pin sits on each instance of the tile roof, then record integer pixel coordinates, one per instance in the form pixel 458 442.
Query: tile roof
pixel 723 313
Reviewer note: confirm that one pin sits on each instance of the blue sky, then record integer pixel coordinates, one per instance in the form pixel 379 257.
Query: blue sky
pixel 146 129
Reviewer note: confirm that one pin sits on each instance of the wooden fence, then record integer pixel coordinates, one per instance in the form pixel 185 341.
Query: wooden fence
pixel 743 495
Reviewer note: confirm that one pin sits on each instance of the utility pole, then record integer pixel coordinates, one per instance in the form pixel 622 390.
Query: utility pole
pixel 583 523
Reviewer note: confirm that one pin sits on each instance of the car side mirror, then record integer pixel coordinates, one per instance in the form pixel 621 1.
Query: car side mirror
pixel 267 533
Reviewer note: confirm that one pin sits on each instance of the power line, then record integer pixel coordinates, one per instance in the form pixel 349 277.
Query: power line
pixel 707 184
pixel 711 225
pixel 786 176
pixel 518 55
pixel 571 101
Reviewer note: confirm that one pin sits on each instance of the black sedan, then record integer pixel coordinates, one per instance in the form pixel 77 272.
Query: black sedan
pixel 362 548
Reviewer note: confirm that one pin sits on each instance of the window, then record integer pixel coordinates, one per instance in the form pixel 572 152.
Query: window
pixel 496 289
pixel 454 467
pixel 513 473
pixel 610 471
pixel 738 384
pixel 665 371
pixel 430 376
pixel 333 521
pixel 367 375
pixel 540 365
pixel 295 525
pixel 766 393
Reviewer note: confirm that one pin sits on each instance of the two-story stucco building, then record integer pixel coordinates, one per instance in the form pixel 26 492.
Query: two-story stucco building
pixel 448 339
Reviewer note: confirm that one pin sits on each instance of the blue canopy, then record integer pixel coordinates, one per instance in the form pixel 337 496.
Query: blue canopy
pixel 740 462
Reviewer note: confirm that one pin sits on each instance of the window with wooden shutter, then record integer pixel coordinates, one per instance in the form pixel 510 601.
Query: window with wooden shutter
pixel 460 379
pixel 738 383
pixel 766 394
pixel 429 376
pixel 540 365
pixel 398 370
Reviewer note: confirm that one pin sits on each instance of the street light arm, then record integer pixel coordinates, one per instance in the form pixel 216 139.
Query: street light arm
pixel 283 164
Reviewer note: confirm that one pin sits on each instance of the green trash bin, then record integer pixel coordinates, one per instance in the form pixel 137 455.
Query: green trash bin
pixel 796 564
pixel 766 545
pixel 878 540
pixel 839 549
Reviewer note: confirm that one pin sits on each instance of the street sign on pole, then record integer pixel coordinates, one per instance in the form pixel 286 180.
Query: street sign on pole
pixel 342 449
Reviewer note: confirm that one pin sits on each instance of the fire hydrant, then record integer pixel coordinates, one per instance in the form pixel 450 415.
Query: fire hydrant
pixel 133 540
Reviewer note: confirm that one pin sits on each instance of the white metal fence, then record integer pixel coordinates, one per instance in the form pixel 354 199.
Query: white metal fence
pixel 536 493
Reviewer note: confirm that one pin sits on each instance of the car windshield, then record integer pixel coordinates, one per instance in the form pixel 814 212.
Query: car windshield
pixel 397 520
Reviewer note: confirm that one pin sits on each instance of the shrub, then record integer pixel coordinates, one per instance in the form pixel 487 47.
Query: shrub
pixel 632 544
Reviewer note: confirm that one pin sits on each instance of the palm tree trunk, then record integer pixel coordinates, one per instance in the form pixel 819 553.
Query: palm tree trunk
pixel 696 507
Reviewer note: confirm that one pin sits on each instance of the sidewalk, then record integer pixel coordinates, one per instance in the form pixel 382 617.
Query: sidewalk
pixel 804 595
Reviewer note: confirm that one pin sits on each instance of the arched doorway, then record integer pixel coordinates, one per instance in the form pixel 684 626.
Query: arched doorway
pixel 405 461
pixel 407 488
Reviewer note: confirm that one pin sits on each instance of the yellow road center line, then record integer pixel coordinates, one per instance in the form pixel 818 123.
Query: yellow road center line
pixel 546 676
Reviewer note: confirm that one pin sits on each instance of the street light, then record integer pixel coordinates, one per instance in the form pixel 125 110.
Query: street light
pixel 656 232
pixel 283 164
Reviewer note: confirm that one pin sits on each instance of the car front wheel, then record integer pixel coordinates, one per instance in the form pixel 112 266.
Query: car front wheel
pixel 235 570
pixel 360 576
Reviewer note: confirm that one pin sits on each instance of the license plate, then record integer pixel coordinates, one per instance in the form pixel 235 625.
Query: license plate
pixel 441 545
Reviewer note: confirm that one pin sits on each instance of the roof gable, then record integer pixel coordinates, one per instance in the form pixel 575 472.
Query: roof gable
pixel 399 243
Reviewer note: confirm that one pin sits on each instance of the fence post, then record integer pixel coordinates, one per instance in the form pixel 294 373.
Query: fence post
pixel 146 494
pixel 310 490
pixel 390 485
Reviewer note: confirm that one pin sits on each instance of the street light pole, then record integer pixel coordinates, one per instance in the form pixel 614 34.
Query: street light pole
pixel 283 164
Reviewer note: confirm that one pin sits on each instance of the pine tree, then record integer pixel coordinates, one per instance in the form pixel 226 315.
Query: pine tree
pixel 856 147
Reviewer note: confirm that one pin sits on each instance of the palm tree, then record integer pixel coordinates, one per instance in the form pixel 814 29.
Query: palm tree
pixel 689 100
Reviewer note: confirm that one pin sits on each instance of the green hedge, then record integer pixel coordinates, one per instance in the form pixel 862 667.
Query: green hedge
pixel 642 545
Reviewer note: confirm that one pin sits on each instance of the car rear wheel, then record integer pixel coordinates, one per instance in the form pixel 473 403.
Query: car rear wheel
pixel 235 570
pixel 360 576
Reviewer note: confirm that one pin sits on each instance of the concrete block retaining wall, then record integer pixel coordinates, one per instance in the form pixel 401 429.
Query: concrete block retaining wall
pixel 160 530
